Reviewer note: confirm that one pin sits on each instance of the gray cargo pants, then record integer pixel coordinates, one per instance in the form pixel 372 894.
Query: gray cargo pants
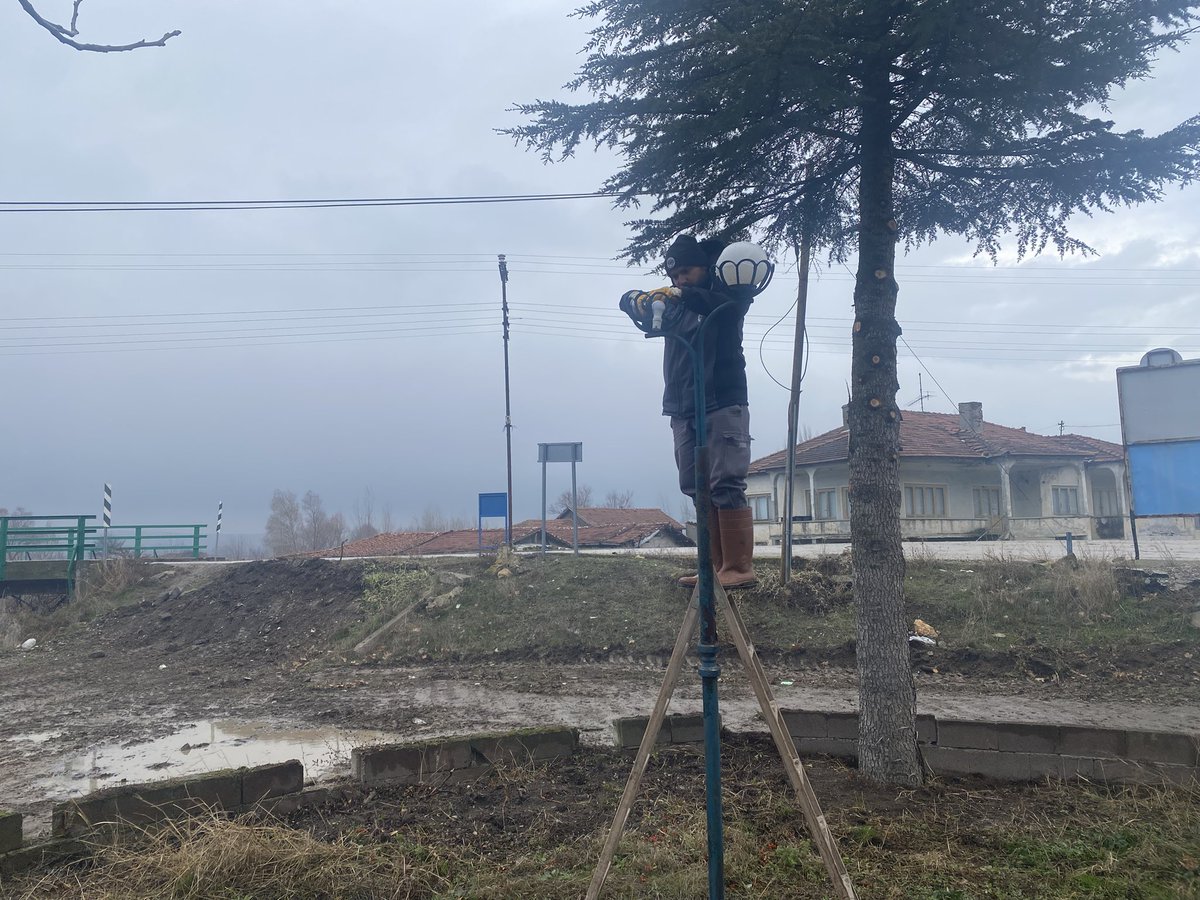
pixel 728 431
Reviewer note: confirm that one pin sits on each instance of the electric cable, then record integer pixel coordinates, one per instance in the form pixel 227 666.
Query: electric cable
pixel 62 206
pixel 490 330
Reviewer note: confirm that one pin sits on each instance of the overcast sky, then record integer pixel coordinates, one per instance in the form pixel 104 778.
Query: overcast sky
pixel 191 357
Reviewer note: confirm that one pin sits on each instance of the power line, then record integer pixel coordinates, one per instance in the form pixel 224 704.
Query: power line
pixel 73 206
pixel 374 336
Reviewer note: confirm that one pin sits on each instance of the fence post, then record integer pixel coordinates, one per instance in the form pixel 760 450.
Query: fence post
pixel 137 541
pixel 75 550
pixel 195 542
pixel 80 537
pixel 3 545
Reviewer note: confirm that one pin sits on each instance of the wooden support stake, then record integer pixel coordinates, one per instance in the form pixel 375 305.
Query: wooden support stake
pixel 809 805
pixel 653 726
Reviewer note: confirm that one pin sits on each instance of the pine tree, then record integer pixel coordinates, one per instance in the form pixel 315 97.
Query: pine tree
pixel 857 124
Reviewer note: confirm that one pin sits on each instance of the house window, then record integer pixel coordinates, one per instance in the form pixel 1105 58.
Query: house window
pixel 987 502
pixel 844 493
pixel 1107 503
pixel 761 506
pixel 925 501
pixel 827 507
pixel 1065 500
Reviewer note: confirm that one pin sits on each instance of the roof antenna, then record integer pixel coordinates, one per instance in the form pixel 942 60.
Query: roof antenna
pixel 922 395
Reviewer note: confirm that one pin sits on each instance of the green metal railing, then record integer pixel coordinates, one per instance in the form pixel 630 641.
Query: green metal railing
pixel 152 540
pixel 69 541
pixel 72 539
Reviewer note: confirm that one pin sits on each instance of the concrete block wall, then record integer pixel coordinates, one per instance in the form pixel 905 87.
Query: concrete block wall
pixel 458 757
pixel 142 804
pixel 278 787
pixel 681 728
pixel 10 830
pixel 1011 751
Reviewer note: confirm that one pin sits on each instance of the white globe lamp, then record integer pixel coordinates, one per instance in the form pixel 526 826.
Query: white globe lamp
pixel 744 265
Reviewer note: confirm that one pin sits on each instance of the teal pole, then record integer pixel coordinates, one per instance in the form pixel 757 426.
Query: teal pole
pixel 707 649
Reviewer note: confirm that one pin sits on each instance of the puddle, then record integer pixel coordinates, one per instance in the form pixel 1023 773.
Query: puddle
pixel 37 737
pixel 205 747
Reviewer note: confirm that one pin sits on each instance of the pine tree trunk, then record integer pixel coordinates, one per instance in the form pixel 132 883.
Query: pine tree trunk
pixel 887 737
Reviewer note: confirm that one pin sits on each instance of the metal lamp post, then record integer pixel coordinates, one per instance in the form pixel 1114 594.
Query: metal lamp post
pixel 744 269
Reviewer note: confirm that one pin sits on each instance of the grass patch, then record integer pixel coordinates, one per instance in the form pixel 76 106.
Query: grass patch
pixel 554 607
pixel 991 604
pixel 594 607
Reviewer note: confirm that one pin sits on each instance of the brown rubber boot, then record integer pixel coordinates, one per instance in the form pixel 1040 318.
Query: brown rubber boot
pixel 714 547
pixel 737 545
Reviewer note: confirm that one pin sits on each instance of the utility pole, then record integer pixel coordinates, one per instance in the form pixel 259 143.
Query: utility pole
pixel 793 418
pixel 508 520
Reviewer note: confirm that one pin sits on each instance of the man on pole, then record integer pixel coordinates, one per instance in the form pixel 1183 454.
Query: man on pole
pixel 694 295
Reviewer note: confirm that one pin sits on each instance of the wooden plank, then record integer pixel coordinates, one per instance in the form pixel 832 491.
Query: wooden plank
pixel 686 633
pixel 817 826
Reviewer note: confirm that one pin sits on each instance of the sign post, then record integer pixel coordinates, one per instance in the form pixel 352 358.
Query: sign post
pixel 1160 430
pixel 555 453
pixel 494 506
pixel 107 515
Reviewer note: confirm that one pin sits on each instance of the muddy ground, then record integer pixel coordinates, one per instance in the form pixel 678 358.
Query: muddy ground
pixel 267 643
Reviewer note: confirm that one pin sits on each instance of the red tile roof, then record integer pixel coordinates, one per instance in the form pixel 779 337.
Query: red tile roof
pixel 558 533
pixel 938 435
pixel 619 535
pixel 607 515
pixel 388 543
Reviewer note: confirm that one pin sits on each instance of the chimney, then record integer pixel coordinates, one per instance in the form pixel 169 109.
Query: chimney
pixel 970 417
pixel 846 414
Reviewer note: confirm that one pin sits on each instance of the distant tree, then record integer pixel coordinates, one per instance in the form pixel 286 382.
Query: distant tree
pixel 619 500
pixel 563 501
pixel 386 522
pixel 432 519
pixel 320 530
pixel 18 511
pixel 67 34
pixel 285 526
pixel 362 532
pixel 364 513
pixel 16 521
pixel 239 546
pixel 849 125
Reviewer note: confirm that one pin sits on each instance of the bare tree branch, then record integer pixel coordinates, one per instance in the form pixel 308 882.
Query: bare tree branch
pixel 67 35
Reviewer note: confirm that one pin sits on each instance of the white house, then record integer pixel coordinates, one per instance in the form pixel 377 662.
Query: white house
pixel 961 477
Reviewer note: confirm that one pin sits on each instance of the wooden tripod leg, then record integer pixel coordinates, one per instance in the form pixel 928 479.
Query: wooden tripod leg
pixel 653 726
pixel 817 826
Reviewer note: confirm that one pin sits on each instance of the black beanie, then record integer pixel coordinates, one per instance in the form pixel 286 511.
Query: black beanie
pixel 686 251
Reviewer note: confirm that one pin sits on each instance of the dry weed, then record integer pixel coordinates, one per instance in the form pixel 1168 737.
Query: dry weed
pixel 210 856
pixel 1086 588
pixel 110 577
pixel 10 628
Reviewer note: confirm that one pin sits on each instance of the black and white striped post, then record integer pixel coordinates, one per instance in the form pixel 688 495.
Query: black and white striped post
pixel 217 540
pixel 107 515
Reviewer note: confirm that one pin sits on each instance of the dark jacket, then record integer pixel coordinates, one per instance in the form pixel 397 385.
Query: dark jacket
pixel 724 362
